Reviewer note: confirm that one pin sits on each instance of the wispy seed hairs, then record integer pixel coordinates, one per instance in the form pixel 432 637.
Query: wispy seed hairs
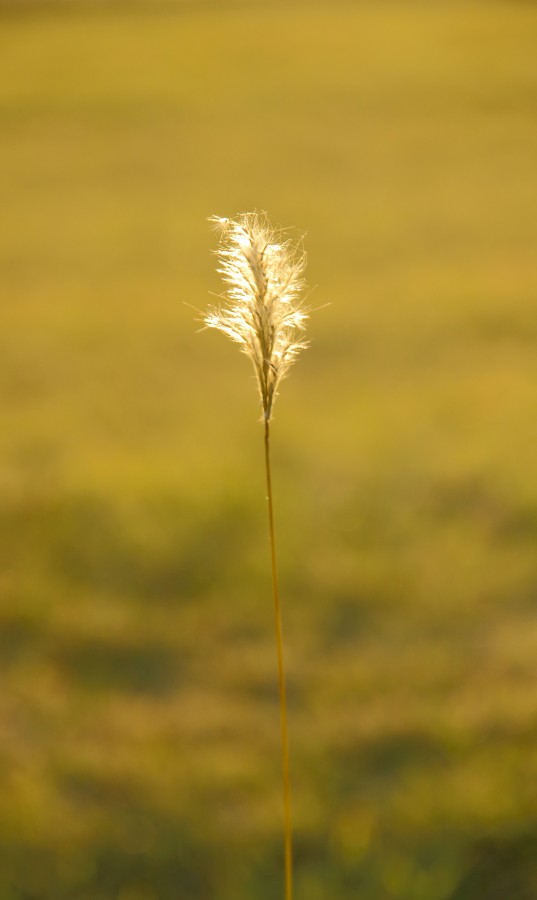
pixel 261 309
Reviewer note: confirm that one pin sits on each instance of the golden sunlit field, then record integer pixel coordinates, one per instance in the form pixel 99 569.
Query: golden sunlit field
pixel 139 721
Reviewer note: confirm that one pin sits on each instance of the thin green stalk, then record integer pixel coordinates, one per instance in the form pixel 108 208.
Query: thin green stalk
pixel 288 837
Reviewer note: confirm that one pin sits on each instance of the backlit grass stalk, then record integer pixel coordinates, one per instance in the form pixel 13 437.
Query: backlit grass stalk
pixel 262 312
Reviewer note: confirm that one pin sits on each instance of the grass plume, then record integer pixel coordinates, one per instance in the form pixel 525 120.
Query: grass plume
pixel 261 310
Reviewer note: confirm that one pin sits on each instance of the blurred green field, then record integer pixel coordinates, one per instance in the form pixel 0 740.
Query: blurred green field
pixel 139 741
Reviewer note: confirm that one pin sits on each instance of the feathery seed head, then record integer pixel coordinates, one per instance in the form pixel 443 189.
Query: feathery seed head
pixel 261 309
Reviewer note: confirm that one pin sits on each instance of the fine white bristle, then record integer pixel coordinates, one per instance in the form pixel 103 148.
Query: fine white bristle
pixel 261 309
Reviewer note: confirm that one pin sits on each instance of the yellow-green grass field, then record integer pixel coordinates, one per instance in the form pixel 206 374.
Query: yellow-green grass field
pixel 139 723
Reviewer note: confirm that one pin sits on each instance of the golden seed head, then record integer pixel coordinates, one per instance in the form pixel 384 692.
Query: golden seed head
pixel 261 309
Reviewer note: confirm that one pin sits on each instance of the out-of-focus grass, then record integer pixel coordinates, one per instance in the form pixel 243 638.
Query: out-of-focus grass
pixel 138 711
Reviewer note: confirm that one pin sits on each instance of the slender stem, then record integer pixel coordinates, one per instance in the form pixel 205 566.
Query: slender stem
pixel 288 839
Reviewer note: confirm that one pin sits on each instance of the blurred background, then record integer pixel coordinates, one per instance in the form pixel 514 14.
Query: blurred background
pixel 139 721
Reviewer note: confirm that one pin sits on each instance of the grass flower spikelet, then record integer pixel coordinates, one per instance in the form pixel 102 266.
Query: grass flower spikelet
pixel 261 309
